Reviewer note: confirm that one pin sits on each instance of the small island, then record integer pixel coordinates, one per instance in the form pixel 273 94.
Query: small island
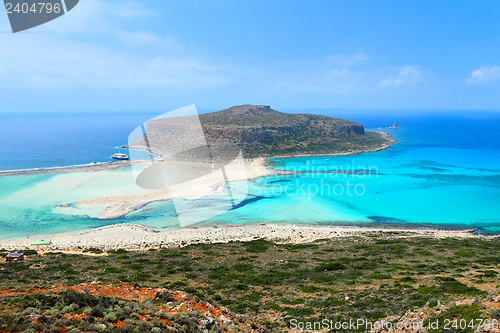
pixel 260 131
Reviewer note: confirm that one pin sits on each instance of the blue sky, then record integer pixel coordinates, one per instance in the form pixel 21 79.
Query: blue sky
pixel 164 54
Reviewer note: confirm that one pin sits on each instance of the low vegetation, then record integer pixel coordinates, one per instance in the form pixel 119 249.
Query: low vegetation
pixel 372 278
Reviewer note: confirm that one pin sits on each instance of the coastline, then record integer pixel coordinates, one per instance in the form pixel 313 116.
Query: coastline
pixel 138 237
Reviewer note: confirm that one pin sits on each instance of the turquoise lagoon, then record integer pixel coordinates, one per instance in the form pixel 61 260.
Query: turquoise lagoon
pixel 445 172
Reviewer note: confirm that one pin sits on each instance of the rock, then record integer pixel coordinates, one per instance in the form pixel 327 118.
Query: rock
pixel 224 320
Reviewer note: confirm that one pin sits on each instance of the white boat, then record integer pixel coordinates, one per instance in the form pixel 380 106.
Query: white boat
pixel 120 156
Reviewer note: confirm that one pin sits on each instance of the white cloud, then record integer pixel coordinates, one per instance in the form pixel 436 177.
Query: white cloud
pixel 117 58
pixel 55 64
pixel 485 74
pixel 330 77
pixel 407 75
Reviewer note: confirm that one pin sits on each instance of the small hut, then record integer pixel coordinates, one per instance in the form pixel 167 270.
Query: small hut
pixel 14 257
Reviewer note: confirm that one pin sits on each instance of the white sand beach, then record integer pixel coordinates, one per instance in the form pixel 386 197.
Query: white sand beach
pixel 137 237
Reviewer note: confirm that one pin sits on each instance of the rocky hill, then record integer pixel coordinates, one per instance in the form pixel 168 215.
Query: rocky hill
pixel 261 118
pixel 120 308
pixel 261 131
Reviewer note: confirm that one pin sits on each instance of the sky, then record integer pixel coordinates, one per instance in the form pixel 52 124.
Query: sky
pixel 130 55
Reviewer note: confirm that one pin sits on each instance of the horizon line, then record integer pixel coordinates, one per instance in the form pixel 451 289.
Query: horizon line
pixel 207 110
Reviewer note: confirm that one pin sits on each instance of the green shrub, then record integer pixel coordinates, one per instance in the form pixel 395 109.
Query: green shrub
pixel 118 251
pixel 96 312
pixel 31 311
pixel 331 266
pixel 300 312
pixel 257 246
pixel 29 252
pixel 66 309
pixel 450 286
pixel 110 317
pixel 243 267
pixel 111 269
pixel 407 279
pixel 310 289
pixel 467 313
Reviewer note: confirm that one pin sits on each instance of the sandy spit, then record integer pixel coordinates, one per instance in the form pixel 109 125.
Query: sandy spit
pixel 201 186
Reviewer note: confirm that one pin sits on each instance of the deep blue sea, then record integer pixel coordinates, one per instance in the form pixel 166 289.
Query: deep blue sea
pixel 444 172
pixel 29 141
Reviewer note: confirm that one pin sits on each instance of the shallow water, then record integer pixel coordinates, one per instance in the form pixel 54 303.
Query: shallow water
pixel 445 172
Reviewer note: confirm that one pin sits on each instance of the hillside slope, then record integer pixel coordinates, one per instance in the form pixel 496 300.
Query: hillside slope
pixel 261 131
